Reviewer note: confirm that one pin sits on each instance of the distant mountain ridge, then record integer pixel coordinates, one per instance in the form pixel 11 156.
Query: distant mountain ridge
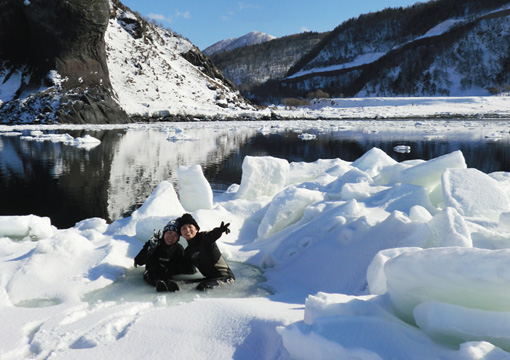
pixel 434 48
pixel 443 47
pixel 252 38
pixel 251 66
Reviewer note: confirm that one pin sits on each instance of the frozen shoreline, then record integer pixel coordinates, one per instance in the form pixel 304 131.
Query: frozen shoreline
pixel 404 108
pixel 363 259
pixel 396 108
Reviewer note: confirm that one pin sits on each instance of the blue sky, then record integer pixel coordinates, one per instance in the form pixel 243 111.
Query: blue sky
pixel 205 22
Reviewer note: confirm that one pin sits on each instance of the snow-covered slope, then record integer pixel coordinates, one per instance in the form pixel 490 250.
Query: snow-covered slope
pixel 252 38
pixel 151 73
pixel 424 50
pixel 156 73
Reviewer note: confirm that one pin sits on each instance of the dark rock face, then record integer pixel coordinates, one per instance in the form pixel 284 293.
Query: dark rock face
pixel 198 59
pixel 63 35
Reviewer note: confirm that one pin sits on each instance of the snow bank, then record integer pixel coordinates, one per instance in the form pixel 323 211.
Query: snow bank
pixel 372 259
pixel 22 227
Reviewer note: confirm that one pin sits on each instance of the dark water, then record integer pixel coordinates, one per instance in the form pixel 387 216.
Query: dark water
pixel 69 184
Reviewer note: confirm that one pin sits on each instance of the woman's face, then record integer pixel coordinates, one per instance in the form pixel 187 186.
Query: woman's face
pixel 188 231
pixel 170 237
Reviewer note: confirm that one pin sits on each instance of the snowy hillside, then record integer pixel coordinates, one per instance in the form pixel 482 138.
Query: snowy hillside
pixel 152 75
pixel 428 49
pixel 252 38
pixel 253 65
pixel 113 67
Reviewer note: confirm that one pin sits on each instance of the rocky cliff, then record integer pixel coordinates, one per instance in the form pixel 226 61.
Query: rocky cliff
pixel 53 52
pixel 71 61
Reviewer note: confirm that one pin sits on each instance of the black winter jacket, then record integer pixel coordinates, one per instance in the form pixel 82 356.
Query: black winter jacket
pixel 162 258
pixel 203 253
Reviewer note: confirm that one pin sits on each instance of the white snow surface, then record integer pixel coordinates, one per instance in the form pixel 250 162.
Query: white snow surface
pixel 370 259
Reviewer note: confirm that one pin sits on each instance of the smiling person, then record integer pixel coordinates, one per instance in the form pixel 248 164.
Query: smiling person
pixel 203 253
pixel 163 257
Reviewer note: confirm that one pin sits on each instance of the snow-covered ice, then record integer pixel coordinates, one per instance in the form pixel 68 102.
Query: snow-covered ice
pixel 370 259
pixel 86 142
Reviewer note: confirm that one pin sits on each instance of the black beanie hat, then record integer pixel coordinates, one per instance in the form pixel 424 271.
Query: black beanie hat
pixel 187 219
pixel 172 225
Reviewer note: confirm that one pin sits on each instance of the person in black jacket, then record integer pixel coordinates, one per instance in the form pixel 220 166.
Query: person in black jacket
pixel 163 257
pixel 203 253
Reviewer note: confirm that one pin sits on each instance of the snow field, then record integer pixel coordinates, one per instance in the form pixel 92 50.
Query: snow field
pixel 372 259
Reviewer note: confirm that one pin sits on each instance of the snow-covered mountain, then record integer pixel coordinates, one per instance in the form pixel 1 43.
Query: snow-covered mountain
pixel 134 71
pixel 435 48
pixel 252 38
pixel 160 74
pixel 253 65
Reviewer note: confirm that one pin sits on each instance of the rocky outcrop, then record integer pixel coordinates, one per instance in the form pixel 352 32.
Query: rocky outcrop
pixel 53 53
pixel 198 59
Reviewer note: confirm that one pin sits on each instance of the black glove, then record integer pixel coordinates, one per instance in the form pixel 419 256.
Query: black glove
pixel 224 228
pixel 136 265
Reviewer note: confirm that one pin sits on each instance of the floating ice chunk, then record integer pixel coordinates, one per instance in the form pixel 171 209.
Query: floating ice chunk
pixel 494 136
pixel 262 176
pixel 194 190
pixel 87 139
pixel 471 277
pixel 11 133
pixel 286 208
pixel 404 149
pixel 375 272
pixel 264 130
pixel 474 193
pixel 180 137
pixel 456 324
pixel 87 142
pixel 428 174
pixel 373 161
pixel 178 134
pixel 162 202
pixel 28 226
pixel 434 137
pixel 448 228
pixel 38 135
pixel 306 136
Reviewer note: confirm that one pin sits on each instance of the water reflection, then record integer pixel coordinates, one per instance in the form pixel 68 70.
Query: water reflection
pixel 143 158
pixel 69 184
